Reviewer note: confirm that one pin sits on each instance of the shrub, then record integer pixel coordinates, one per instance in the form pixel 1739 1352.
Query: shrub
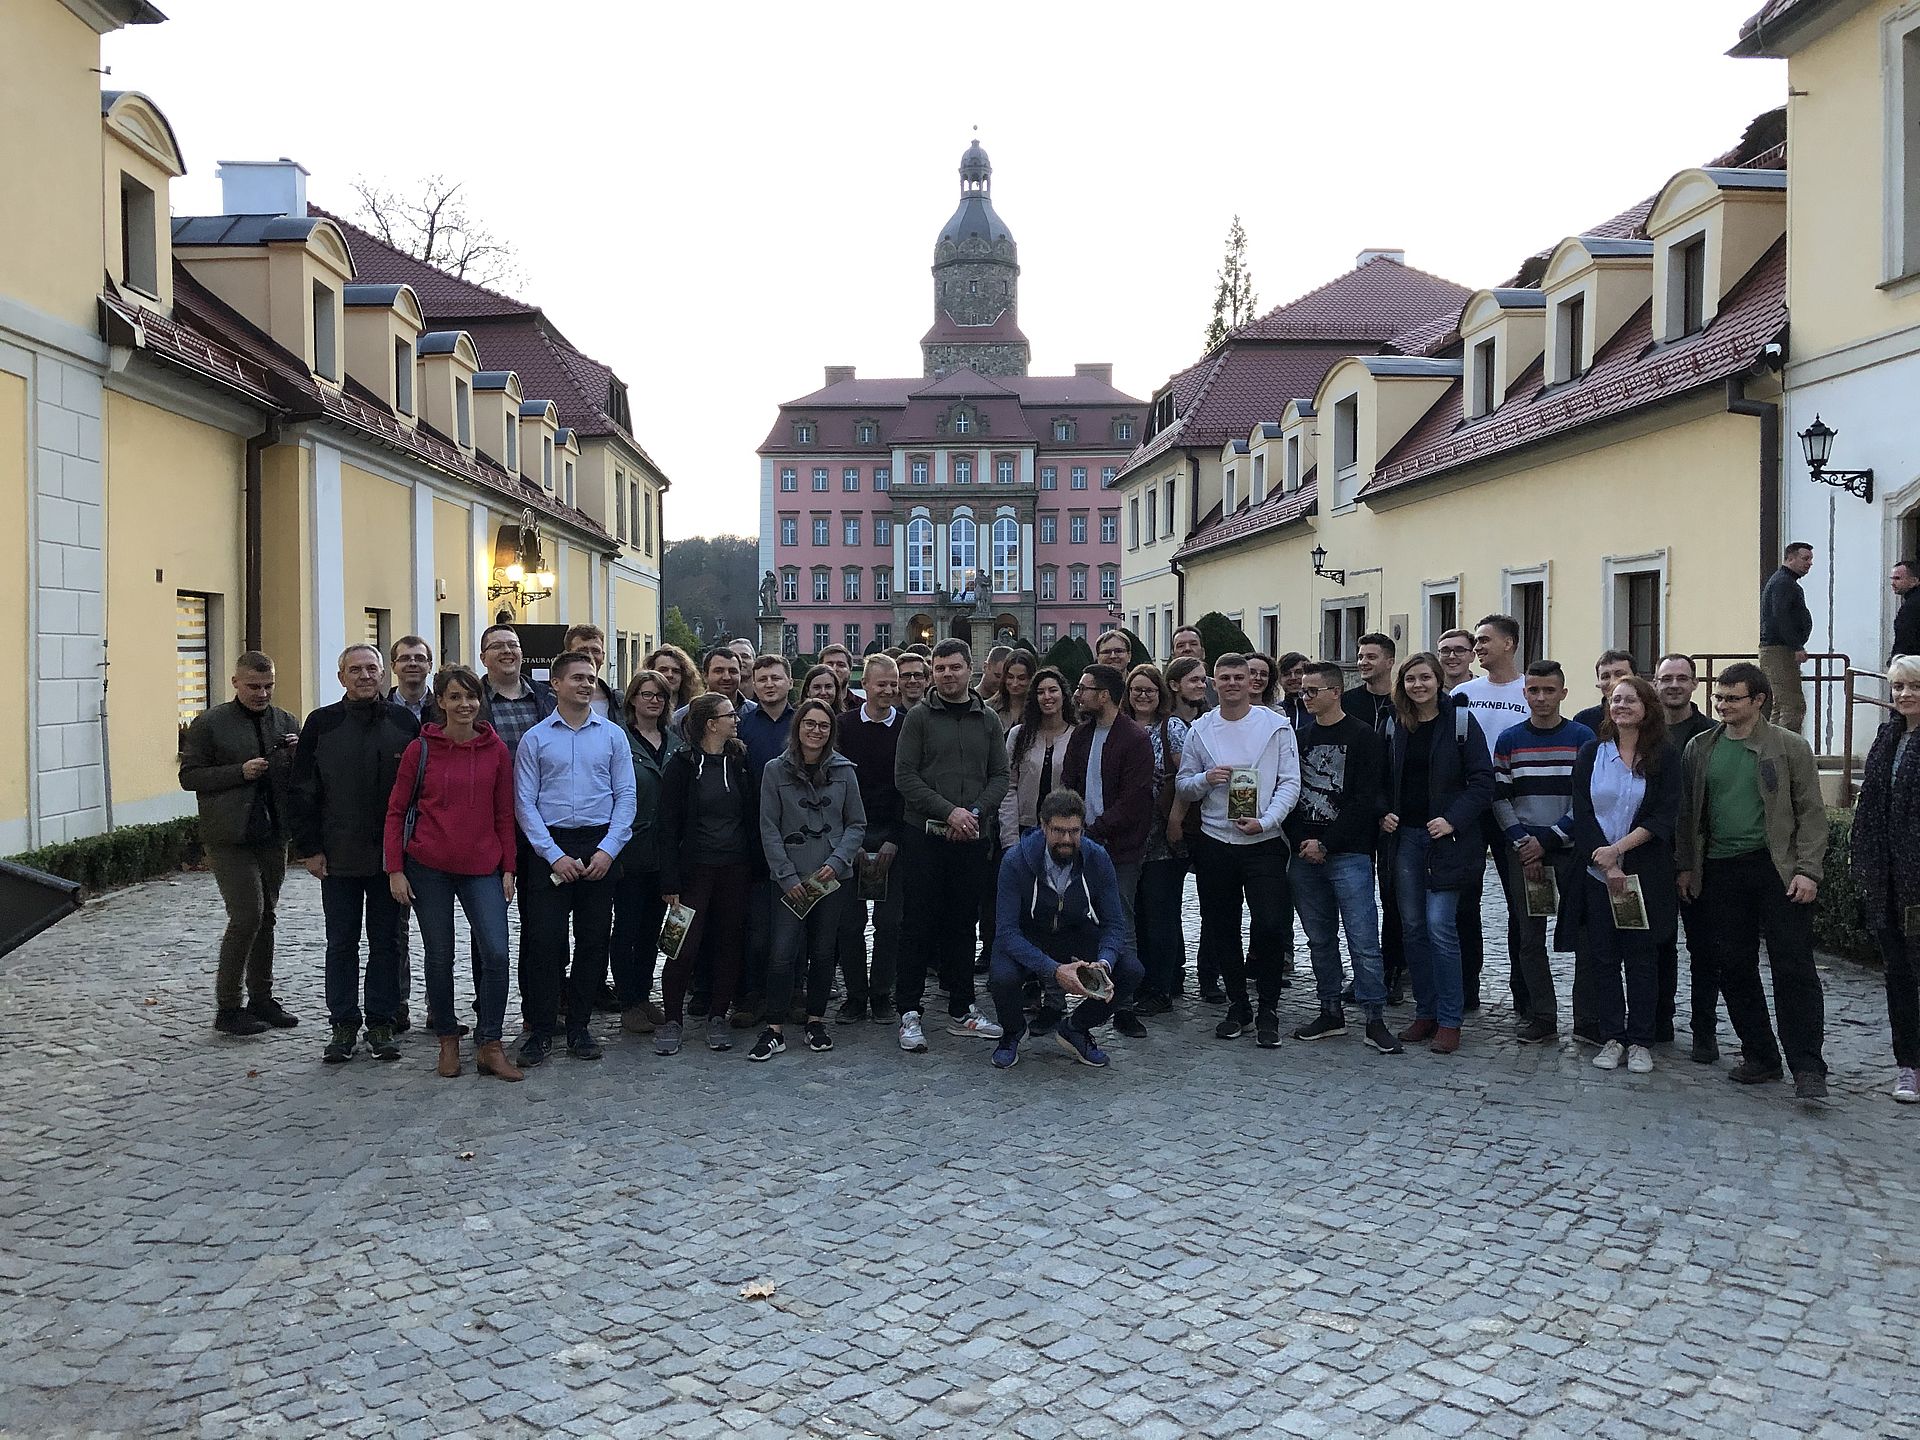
pixel 1070 655
pixel 123 857
pixel 1838 916
pixel 1220 636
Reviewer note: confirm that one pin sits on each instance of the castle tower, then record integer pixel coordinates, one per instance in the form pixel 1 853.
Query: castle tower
pixel 976 284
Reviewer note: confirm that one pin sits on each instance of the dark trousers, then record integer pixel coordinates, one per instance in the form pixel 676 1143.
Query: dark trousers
pixel 752 985
pixel 1903 989
pixel 805 946
pixel 1529 966
pixel 1226 874
pixel 1615 953
pixel 1393 948
pixel 1742 899
pixel 1703 978
pixel 249 877
pixel 484 899
pixel 346 901
pixel 588 904
pixel 717 895
pixel 866 982
pixel 637 913
pixel 1163 940
pixel 1007 980
pixel 944 881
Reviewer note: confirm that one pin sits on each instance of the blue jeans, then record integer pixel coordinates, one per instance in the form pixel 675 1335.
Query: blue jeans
pixel 1428 929
pixel 344 899
pixel 1334 894
pixel 1007 980
pixel 485 903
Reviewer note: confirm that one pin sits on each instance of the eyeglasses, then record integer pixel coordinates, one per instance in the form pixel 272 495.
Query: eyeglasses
pixel 1456 650
pixel 513 645
pixel 651 695
pixel 815 725
pixel 1722 698
pixel 1307 692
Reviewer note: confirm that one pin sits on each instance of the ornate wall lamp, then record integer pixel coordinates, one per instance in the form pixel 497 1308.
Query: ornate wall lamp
pixel 1817 441
pixel 519 568
pixel 1338 577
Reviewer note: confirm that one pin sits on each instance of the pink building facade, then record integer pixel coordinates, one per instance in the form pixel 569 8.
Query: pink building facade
pixel 901 510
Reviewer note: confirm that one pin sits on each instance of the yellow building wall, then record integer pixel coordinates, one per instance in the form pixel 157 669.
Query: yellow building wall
pixel 13 587
pixel 1837 138
pixel 50 151
pixel 377 566
pixel 175 495
pixel 287 573
pixel 580 606
pixel 1569 512
pixel 636 610
pixel 453 566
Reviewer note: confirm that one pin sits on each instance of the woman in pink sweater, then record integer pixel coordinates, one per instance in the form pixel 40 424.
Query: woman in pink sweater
pixel 450 836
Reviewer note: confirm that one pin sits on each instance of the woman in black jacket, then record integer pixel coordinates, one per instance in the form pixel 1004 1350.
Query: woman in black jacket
pixel 709 835
pixel 1626 803
pixel 1886 865
pixel 1440 783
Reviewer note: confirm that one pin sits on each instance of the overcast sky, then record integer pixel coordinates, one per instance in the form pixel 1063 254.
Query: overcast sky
pixel 718 200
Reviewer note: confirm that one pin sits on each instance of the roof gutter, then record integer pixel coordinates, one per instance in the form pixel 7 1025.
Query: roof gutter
pixel 1768 414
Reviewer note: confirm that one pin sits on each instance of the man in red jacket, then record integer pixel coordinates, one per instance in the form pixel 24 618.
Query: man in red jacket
pixel 1110 762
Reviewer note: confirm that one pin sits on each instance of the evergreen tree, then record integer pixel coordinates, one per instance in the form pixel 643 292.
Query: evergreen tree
pixel 674 630
pixel 1220 636
pixel 1234 299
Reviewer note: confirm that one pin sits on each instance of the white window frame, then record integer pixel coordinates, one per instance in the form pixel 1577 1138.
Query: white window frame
pixel 1269 636
pixel 1431 590
pixel 1614 572
pixel 789 480
pixel 1511 579
pixel 1348 649
pixel 1900 110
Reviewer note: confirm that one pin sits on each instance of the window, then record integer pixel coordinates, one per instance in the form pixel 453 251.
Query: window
pixel 1293 463
pixel 379 629
pixel 1049 583
pixel 883 634
pixel 1687 289
pixel 1443 610
pixel 1346 433
pixel 822 585
pixel 139 264
pixel 1078 630
pixel 1109 583
pixel 852 634
pixel 1153 519
pixel 820 530
pixel 1077 529
pixel 850 586
pixel 803 433
pixel 1077 583
pixel 820 479
pixel 790 585
pixel 1049 529
pixel 822 636
pixel 920 556
pixel 882 584
pixel 850 531
pixel 325 363
pixel 1259 491
pixel 619 511
pixel 567 470
pixel 403 377
pixel 1152 637
pixel 1528 600
pixel 1063 430
pixel 963 555
pixel 1003 470
pixel 1133 523
pixel 1049 635
pixel 450 637
pixel 512 446
pixel 1169 520
pixel 789 478
pixel 1229 490
pixel 1049 478
pixel 962 470
pixel 789 531
pixel 1006 556
pixel 1109 529
pixel 919 472
pixel 1341 626
pixel 462 413
pixel 1481 402
pixel 1079 480
pixel 646 514
pixel 1123 430
pixel 1109 474
pixel 882 478
pixel 192 656
pixel 1642 630
pixel 850 479
pixel 962 423
pixel 546 465
pixel 866 432
pixel 882 530
pixel 1270 631
pixel 1569 348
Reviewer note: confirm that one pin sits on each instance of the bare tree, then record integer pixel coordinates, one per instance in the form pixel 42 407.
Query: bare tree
pixel 430 221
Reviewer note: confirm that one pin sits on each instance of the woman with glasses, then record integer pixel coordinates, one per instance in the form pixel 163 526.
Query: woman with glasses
pixel 1036 754
pixel 1886 865
pixel 1163 874
pixel 637 903
pixel 811 824
pixel 709 844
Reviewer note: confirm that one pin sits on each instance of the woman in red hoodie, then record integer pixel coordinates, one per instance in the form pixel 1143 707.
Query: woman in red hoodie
pixel 450 836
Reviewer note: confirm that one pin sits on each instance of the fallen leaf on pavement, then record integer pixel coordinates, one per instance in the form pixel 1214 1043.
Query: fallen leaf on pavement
pixel 466 1155
pixel 757 1290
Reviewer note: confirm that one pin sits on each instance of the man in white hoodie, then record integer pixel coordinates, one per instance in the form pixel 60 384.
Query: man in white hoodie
pixel 1249 748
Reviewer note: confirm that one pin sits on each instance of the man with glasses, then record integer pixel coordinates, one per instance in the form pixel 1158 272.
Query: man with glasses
pixel 1115 649
pixel 913 679
pixel 412 661
pixel 1751 845
pixel 515 703
pixel 1456 659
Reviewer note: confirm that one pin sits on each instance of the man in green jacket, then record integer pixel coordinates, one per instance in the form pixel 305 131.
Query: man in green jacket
pixel 1751 845
pixel 237 758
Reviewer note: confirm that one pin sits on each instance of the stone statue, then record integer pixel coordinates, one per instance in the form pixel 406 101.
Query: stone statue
pixel 769 594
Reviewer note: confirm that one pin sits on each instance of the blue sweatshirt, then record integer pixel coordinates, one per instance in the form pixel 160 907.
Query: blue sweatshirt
pixel 1027 900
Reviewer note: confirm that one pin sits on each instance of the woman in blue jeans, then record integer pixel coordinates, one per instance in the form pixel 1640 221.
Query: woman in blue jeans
pixel 1440 783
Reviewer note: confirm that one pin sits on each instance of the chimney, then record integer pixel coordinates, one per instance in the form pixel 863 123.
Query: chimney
pixel 263 187
pixel 1399 257
pixel 838 373
pixel 1103 373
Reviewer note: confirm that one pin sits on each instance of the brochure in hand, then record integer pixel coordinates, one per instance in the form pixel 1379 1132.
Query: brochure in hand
pixel 1095 980
pixel 673 930
pixel 1243 795
pixel 873 879
pixel 1543 896
pixel 1630 908
pixel 813 890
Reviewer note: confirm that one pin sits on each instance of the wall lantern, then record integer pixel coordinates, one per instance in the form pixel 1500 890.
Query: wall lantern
pixel 1338 577
pixel 1817 441
pixel 519 569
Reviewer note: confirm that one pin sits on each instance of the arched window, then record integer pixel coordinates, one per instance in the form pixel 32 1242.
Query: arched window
pixel 963 555
pixel 920 557
pixel 1006 556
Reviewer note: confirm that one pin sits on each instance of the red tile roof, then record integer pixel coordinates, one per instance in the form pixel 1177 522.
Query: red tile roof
pixel 443 296
pixel 1761 29
pixel 1271 513
pixel 1629 373
pixel 1374 301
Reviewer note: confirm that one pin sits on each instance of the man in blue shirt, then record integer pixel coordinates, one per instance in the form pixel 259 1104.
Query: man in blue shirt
pixel 573 797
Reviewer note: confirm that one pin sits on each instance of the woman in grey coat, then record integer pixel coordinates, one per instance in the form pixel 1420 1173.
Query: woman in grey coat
pixel 811 826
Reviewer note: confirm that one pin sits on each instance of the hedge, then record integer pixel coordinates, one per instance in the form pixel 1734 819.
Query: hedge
pixel 123 857
pixel 1837 926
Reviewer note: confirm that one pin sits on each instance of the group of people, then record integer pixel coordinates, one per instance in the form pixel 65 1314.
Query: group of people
pixel 1037 831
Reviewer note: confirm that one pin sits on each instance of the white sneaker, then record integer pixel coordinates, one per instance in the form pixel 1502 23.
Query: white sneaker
pixel 1906 1086
pixel 1640 1060
pixel 975 1024
pixel 911 1040
pixel 1610 1056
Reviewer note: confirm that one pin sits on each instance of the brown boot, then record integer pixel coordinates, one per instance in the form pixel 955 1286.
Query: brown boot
pixel 1419 1030
pixel 490 1059
pixel 1446 1040
pixel 449 1065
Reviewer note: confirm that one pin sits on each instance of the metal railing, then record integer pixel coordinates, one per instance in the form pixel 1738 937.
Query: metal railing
pixel 1855 697
pixel 1825 671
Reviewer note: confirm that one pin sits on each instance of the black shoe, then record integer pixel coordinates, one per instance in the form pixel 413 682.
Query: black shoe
pixel 380 1042
pixel 1810 1086
pixel 1045 1021
pixel 341 1047
pixel 1748 1073
pixel 534 1050
pixel 1266 1031
pixel 402 1021
pixel 770 1044
pixel 1323 1026
pixel 1381 1038
pixel 582 1046
pixel 851 1012
pixel 1537 1032
pixel 1151 1005
pixel 1235 1023
pixel 819 1039
pixel 1127 1023
pixel 239 1022
pixel 270 1012
pixel 1705 1052
pixel 1212 995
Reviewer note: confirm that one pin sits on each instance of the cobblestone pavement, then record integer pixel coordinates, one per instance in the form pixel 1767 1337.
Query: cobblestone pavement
pixel 211 1237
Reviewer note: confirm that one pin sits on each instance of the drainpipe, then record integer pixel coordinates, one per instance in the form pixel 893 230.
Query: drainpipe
pixel 257 445
pixel 1768 414
pixel 1193 519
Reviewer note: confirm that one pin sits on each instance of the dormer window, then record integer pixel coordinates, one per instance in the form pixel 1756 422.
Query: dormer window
pixel 403 377
pixel 1293 463
pixel 1687 287
pixel 513 446
pixel 867 432
pixel 463 413
pixel 568 473
pixel 1346 434
pixel 326 348
pixel 1259 478
pixel 1063 430
pixel 1229 491
pixel 139 265
pixel 1570 338
pixel 962 423
pixel 546 463
pixel 1123 430
pixel 803 433
pixel 1484 381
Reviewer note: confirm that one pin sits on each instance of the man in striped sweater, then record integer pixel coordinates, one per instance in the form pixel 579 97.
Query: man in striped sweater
pixel 1533 805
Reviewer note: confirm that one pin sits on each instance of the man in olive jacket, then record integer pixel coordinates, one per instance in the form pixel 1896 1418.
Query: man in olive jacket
pixel 237 759
pixel 951 770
